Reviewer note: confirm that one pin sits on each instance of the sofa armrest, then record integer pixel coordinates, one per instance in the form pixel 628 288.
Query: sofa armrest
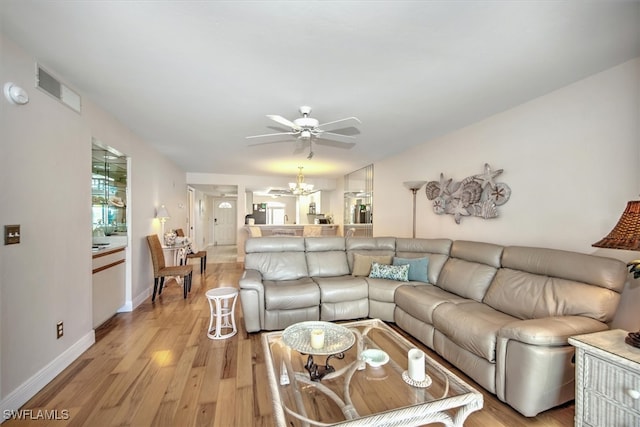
pixel 550 331
pixel 527 348
pixel 251 279
pixel 252 300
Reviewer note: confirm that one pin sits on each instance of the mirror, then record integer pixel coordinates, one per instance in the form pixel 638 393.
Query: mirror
pixel 358 201
pixel 108 191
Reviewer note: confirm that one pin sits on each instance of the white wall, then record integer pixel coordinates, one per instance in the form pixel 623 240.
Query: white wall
pixel 45 184
pixel 570 157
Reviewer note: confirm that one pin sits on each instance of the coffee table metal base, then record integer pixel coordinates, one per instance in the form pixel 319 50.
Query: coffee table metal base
pixel 317 372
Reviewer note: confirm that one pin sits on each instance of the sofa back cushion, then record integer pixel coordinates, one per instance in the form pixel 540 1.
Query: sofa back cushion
pixel 538 282
pixel 276 258
pixel 435 250
pixel 470 269
pixel 373 246
pixel 596 270
pixel 326 256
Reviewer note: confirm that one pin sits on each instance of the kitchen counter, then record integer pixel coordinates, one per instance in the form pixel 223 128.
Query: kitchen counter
pixel 296 229
pixel 103 243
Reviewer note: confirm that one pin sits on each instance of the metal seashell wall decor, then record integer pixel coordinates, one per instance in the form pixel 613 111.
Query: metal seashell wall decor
pixel 477 195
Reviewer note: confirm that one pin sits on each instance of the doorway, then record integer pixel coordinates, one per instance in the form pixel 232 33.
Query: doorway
pixel 224 221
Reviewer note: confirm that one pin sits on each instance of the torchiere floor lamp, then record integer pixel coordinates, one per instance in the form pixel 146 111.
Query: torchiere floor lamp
pixel 414 186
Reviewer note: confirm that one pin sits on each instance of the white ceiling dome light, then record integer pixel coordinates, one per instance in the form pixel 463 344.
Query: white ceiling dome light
pixel 15 94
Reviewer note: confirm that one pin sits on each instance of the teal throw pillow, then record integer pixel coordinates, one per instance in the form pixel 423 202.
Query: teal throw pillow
pixel 392 272
pixel 417 268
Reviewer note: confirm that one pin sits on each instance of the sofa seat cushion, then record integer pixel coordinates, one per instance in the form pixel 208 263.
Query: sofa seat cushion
pixel 472 325
pixel 383 289
pixel 421 300
pixel 342 288
pixel 291 294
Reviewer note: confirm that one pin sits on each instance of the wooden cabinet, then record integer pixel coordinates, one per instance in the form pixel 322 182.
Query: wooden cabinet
pixel 108 283
pixel 607 380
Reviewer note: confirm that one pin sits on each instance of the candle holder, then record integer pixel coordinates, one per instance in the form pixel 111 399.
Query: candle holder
pixel 415 375
pixel 317 338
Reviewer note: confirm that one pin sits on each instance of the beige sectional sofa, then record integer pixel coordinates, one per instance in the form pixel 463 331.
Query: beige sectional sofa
pixel 500 314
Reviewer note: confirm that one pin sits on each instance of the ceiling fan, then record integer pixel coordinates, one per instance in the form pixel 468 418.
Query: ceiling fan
pixel 305 128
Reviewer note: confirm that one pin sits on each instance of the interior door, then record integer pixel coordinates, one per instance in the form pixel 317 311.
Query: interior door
pixel 224 221
pixel 191 200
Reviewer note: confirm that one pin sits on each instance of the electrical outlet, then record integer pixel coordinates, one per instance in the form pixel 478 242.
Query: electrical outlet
pixel 59 330
pixel 11 234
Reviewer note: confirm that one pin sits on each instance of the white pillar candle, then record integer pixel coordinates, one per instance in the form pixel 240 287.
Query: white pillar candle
pixel 416 364
pixel 317 338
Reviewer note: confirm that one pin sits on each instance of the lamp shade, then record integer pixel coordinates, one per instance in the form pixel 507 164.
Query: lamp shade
pixel 414 185
pixel 626 233
pixel 162 212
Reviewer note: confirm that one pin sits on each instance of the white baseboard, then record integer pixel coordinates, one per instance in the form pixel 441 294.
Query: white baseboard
pixel 126 308
pixel 142 297
pixel 33 385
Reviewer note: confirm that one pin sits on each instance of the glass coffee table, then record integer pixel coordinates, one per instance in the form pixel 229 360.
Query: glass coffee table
pixel 355 392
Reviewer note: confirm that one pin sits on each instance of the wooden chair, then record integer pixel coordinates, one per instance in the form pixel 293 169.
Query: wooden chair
pixel 200 254
pixel 160 269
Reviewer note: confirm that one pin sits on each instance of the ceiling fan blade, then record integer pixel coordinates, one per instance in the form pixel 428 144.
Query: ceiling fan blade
pixel 283 121
pixel 336 134
pixel 339 121
pixel 270 134
pixel 335 144
pixel 276 141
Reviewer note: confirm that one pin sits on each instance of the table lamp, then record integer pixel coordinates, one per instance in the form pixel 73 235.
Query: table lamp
pixel 162 214
pixel 626 235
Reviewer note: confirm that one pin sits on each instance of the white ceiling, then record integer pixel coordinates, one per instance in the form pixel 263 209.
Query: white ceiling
pixel 194 78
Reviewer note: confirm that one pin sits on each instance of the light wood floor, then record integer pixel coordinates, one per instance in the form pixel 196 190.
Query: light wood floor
pixel 156 367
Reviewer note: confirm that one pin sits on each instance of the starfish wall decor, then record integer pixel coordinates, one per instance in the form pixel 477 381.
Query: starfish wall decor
pixel 477 195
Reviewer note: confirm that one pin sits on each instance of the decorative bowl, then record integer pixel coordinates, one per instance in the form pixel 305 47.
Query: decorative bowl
pixel 374 357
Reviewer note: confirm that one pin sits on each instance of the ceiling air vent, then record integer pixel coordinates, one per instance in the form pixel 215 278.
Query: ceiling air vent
pixel 60 91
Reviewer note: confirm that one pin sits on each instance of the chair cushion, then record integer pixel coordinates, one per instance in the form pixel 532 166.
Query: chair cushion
pixel 175 270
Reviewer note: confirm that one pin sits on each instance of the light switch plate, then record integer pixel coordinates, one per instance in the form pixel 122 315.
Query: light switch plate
pixel 11 234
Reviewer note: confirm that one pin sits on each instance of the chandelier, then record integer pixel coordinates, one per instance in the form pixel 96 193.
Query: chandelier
pixel 299 188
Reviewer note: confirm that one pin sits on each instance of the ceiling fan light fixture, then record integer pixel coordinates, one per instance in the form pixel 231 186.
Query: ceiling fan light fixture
pixel 305 134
